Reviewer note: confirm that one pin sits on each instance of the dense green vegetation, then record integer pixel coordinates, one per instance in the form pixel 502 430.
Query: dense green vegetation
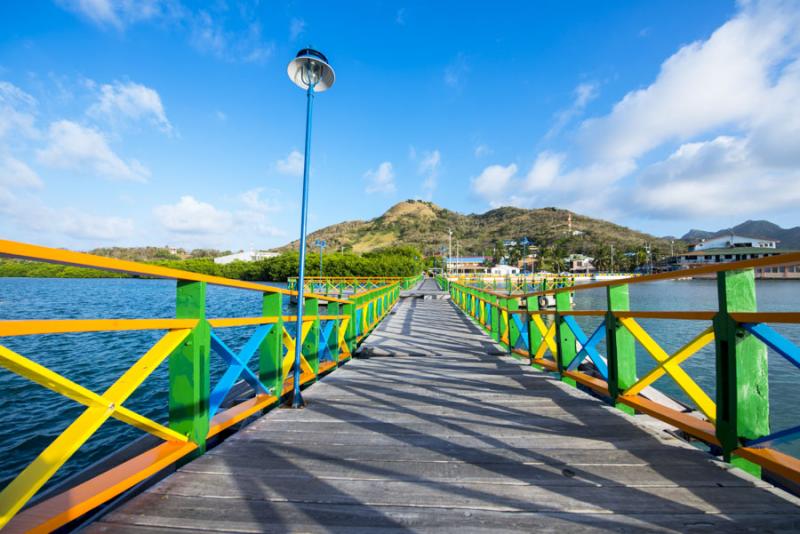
pixel 394 261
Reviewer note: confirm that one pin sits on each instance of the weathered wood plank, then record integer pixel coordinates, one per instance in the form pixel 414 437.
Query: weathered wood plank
pixel 457 442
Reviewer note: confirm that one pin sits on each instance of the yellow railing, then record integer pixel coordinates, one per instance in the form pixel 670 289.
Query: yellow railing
pixel 735 420
pixel 195 406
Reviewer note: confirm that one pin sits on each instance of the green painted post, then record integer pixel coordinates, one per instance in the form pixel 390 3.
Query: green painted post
pixel 495 318
pixel 189 387
pixel 534 336
pixel 620 346
pixel 270 357
pixel 502 302
pixel 565 338
pixel 311 343
pixel 513 329
pixel 333 338
pixel 742 369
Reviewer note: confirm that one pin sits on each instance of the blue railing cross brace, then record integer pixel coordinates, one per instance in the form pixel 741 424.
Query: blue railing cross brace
pixel 324 336
pixel 788 350
pixel 237 365
pixel 523 332
pixel 587 346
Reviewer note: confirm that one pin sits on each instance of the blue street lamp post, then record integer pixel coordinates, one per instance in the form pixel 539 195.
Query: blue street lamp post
pixel 309 70
pixel 321 243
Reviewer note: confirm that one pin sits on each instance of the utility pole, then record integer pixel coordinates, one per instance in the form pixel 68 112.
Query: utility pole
pixel 612 258
pixel 449 248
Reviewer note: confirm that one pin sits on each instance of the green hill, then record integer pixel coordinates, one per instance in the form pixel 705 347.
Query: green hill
pixel 425 226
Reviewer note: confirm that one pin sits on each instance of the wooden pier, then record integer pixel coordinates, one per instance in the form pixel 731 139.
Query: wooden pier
pixel 433 430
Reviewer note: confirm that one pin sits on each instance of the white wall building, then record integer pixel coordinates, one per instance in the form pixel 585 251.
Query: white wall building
pixel 732 241
pixel 504 270
pixel 245 255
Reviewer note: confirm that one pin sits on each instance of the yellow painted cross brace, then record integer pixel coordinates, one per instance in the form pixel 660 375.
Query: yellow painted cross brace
pixel 504 318
pixel 548 338
pixel 342 333
pixel 286 365
pixel 53 381
pixel 670 364
pixel 33 477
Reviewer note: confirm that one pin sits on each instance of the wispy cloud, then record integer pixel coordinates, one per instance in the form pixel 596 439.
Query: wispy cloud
pixel 482 151
pixel 76 147
pixel 400 16
pixel 429 168
pixel 215 28
pixel 119 102
pixel 296 28
pixel 456 72
pixel 291 165
pixel 583 94
pixel 381 180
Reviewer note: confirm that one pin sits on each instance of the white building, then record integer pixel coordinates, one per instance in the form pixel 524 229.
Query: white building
pixel 245 255
pixel 733 241
pixel 504 270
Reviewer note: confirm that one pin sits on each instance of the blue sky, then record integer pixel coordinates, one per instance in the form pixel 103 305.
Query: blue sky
pixel 173 122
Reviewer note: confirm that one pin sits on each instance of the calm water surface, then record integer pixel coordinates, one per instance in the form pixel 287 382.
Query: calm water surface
pixel 31 417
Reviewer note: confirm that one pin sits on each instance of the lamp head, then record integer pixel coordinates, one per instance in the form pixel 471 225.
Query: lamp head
pixel 310 67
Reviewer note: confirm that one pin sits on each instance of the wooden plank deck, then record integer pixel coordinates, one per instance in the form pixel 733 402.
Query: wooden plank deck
pixel 445 437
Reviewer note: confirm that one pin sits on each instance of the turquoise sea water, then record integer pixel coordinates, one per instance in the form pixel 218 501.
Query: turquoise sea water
pixel 31 417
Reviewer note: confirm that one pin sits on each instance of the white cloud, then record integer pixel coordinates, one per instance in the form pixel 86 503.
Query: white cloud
pixel 492 184
pixel 118 13
pixel 76 147
pixel 429 167
pixel 296 28
pixel 583 94
pixel 455 73
pixel 16 174
pixel 130 101
pixel 292 165
pixel 30 214
pixel 191 216
pixel 482 151
pixel 253 201
pixel 544 171
pixel 208 33
pixel 16 111
pixel 724 107
pixel 381 180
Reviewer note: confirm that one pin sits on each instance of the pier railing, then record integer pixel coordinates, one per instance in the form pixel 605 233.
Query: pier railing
pixel 735 423
pixel 195 406
pixel 344 285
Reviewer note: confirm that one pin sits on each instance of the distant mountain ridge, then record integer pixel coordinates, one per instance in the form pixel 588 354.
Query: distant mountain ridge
pixel 789 238
pixel 425 225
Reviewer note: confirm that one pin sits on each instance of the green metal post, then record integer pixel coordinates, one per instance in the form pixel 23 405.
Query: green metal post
pixel 189 386
pixel 270 358
pixel 620 346
pixel 565 338
pixel 742 369
pixel 495 318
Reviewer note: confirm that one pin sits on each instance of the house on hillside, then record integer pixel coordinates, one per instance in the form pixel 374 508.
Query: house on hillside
pixel 580 264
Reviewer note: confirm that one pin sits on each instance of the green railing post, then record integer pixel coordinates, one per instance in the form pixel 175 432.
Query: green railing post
pixel 742 370
pixel 534 336
pixel 189 386
pixel 565 338
pixel 620 346
pixel 311 343
pixel 495 318
pixel 270 358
